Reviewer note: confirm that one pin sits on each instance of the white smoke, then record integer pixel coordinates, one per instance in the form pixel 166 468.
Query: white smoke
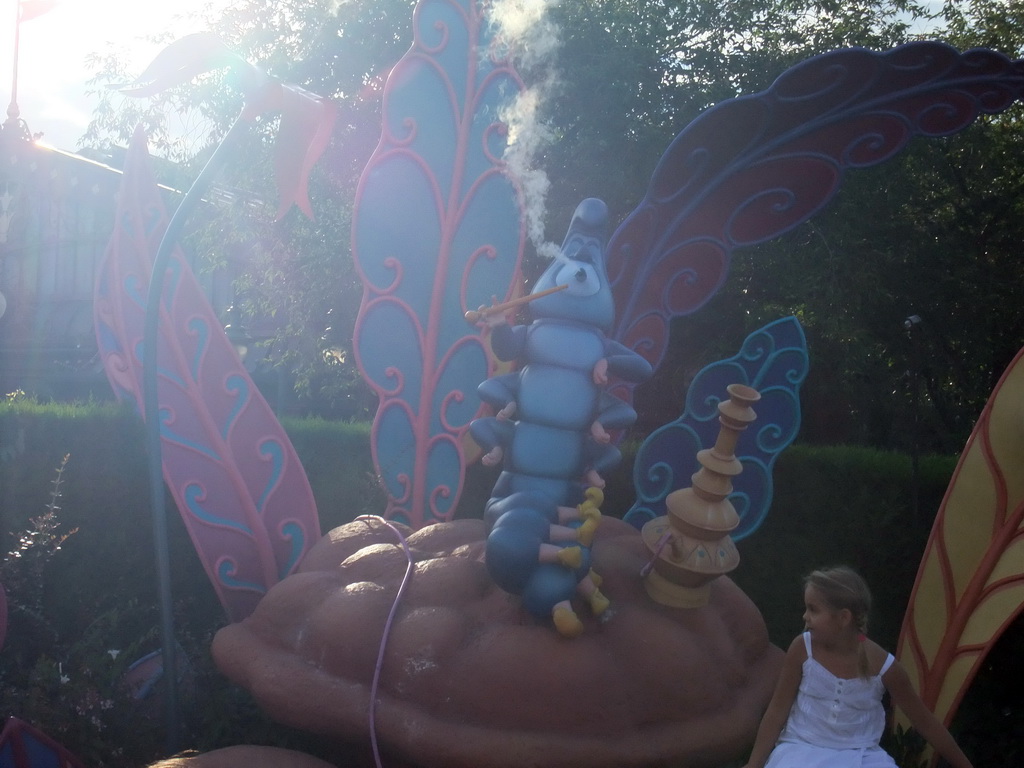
pixel 525 28
pixel 524 31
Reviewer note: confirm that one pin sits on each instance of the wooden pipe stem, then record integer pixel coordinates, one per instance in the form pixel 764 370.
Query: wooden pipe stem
pixel 475 315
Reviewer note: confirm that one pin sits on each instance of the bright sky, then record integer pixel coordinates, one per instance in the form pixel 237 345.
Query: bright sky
pixel 52 72
pixel 51 67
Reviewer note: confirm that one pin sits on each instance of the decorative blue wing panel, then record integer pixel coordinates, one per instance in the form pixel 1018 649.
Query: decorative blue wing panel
pixel 772 360
pixel 437 230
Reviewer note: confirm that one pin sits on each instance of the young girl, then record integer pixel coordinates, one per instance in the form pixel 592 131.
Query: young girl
pixel 826 711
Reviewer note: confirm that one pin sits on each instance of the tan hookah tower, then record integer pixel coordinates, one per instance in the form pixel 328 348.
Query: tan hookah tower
pixel 691 545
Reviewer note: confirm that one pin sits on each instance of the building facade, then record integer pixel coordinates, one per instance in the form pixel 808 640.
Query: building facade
pixel 57 212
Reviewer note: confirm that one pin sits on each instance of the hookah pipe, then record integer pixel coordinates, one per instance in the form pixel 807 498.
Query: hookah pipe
pixel 476 315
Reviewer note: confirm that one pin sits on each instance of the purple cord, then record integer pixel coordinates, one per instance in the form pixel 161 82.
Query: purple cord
pixel 387 631
pixel 657 552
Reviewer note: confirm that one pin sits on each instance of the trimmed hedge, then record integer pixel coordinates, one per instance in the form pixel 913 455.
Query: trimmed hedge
pixel 831 505
pixel 106 489
pixel 842 505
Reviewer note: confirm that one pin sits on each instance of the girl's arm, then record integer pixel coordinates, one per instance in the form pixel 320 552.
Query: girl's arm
pixel 897 682
pixel 775 716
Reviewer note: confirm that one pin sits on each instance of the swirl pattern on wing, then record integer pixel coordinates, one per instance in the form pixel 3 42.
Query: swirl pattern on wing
pixel 437 230
pixel 228 463
pixel 753 167
pixel 772 360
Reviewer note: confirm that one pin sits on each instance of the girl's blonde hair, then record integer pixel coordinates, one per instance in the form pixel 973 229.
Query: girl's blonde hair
pixel 841 588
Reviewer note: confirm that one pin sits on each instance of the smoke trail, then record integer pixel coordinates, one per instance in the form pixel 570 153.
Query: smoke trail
pixel 524 31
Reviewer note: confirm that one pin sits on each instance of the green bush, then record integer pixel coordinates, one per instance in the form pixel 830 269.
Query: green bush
pixel 841 505
pixel 82 608
pixel 97 593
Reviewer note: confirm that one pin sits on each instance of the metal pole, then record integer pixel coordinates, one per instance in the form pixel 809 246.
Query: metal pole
pixel 152 415
pixel 912 325
pixel 13 113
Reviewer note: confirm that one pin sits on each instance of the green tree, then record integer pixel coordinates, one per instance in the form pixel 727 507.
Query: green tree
pixel 932 232
pixel 295 275
pixel 633 73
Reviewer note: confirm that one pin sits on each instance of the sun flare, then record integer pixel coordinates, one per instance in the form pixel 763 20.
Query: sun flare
pixel 53 49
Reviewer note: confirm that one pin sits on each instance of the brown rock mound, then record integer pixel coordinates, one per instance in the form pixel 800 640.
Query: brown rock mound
pixel 469 680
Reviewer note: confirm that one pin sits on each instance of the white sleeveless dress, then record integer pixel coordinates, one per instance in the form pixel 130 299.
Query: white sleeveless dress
pixel 834 722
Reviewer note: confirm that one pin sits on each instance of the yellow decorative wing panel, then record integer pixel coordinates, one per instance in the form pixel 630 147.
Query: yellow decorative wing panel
pixel 970 585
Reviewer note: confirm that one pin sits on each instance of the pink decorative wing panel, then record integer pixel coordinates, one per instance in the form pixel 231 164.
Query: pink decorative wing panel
pixel 228 463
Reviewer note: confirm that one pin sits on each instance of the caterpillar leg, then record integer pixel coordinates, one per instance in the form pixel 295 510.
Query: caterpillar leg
pixel 566 621
pixel 588 587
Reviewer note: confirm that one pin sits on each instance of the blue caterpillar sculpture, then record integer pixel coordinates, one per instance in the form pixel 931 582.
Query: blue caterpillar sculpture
pixel 552 427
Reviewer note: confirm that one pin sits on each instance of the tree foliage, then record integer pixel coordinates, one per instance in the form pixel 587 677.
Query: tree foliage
pixel 934 232
pixel 632 74
pixel 295 286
